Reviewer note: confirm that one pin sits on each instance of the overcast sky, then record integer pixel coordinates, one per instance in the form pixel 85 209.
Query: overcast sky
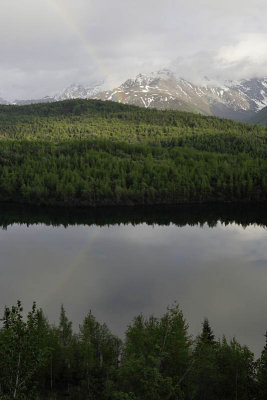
pixel 45 45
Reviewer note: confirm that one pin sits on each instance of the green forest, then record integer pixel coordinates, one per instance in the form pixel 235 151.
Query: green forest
pixel 157 360
pixel 90 153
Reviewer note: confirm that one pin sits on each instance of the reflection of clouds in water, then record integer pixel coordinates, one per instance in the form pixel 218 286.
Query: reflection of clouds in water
pixel 120 271
pixel 147 234
pixel 202 240
pixel 247 233
pixel 262 263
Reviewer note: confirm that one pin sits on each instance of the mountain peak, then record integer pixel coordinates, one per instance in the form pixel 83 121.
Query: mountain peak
pixel 77 90
pixel 163 89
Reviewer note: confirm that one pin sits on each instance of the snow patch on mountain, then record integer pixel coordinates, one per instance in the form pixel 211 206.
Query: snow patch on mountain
pixel 78 91
pixel 165 89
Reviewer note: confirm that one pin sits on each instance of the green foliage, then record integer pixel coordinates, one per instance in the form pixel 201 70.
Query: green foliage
pixel 23 350
pixel 102 351
pixel 156 356
pixel 108 173
pixel 117 122
pixel 103 153
pixel 207 335
pixel 236 369
pixel 204 370
pixel 158 360
pixel 262 373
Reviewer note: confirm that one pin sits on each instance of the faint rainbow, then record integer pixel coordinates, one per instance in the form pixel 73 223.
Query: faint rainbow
pixel 71 269
pixel 73 26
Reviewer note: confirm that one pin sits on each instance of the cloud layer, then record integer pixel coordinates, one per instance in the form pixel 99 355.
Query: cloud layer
pixel 47 44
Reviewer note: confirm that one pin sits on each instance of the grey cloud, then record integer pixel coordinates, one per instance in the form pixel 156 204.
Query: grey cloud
pixel 48 44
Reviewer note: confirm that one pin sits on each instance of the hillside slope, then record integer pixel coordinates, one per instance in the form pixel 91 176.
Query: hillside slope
pixel 260 118
pixel 164 90
pixel 89 152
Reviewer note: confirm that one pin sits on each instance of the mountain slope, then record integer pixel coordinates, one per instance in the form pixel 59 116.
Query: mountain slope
pixel 260 118
pixel 256 91
pixel 74 91
pixel 78 91
pixel 163 90
pixel 46 99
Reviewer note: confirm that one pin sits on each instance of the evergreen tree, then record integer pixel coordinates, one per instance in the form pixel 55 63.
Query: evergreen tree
pixel 204 374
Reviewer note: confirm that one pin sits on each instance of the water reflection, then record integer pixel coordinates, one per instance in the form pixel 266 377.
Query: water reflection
pixel 121 270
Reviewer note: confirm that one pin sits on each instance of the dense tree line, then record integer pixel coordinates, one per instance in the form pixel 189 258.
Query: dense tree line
pixel 158 359
pixel 103 153
pixel 87 119
pixel 230 141
pixel 110 173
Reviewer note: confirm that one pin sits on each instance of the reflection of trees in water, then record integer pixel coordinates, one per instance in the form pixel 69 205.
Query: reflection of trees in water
pixel 194 214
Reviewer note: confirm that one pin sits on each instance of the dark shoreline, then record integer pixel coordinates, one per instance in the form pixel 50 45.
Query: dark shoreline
pixel 183 214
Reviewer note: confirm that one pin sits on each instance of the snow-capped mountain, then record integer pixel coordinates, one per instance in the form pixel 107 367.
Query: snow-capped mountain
pixel 74 91
pixel 164 90
pixel 46 99
pixel 256 90
pixel 78 91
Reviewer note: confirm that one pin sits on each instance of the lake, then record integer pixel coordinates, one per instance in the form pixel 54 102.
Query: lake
pixel 212 260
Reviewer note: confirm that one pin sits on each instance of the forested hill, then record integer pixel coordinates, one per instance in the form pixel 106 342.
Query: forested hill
pixel 94 119
pixel 110 110
pixel 89 152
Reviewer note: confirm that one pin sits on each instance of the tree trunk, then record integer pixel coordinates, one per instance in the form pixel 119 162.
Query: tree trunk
pixel 51 374
pixel 17 379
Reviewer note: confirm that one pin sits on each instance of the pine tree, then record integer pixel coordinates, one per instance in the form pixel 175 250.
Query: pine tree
pixel 207 335
pixel 204 373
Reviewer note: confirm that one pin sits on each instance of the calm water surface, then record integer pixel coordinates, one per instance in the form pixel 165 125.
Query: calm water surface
pixel 120 270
